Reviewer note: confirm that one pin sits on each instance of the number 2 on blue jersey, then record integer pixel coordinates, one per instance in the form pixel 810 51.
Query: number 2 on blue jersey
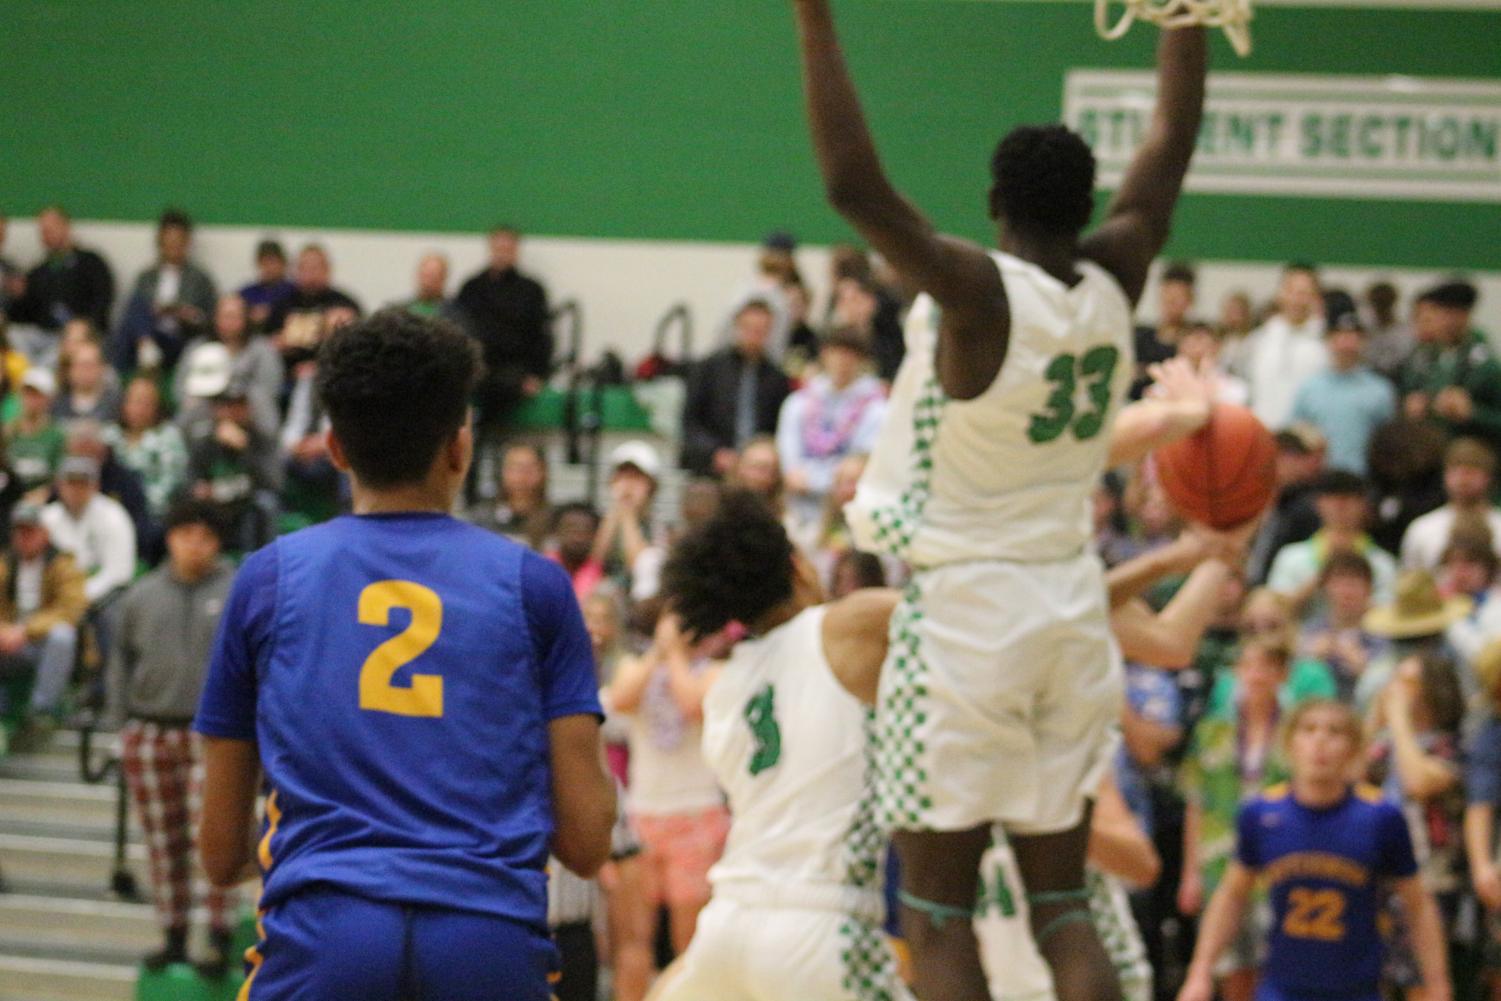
pixel 377 694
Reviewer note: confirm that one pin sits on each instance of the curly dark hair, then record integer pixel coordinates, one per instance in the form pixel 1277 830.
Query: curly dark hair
pixel 396 388
pixel 1043 180
pixel 734 567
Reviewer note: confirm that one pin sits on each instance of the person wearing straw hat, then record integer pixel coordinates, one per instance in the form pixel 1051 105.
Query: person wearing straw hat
pixel 1415 621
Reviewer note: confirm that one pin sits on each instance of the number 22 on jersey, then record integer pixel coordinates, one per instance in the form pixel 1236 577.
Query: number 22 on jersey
pixel 377 694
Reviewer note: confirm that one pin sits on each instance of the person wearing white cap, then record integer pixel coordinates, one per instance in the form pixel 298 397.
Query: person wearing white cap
pixel 35 443
pixel 231 351
pixel 624 543
pixel 96 530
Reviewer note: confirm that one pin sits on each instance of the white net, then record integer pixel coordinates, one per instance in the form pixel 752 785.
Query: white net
pixel 1232 15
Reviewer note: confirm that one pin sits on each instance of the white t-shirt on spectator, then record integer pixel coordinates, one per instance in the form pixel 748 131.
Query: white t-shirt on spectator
pixel 103 541
pixel 669 778
pixel 29 574
pixel 1280 356
pixel 1425 540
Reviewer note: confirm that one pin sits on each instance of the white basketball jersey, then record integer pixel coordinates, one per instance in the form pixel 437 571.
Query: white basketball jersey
pixel 1007 475
pixel 787 744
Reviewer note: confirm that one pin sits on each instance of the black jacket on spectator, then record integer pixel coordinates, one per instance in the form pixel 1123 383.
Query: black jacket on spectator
pixel 709 413
pixel 507 314
pixel 65 286
pixel 310 302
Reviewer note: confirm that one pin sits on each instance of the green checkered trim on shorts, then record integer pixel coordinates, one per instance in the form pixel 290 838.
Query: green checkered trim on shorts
pixel 869 968
pixel 1122 941
pixel 896 525
pixel 901 781
pixel 865 841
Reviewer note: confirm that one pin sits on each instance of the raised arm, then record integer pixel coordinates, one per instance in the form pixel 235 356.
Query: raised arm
pixel 1140 216
pixel 955 272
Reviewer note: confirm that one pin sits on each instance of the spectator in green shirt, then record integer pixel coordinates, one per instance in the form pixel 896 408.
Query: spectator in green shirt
pixel 1268 616
pixel 1453 376
pixel 34 440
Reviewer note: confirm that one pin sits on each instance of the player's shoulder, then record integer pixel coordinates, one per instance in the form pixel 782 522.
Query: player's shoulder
pixel 1279 792
pixel 1367 802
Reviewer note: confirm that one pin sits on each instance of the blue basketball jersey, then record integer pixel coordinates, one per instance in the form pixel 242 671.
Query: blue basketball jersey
pixel 1325 871
pixel 398 673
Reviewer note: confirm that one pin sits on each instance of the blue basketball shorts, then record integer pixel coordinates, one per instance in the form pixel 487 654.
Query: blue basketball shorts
pixel 326 945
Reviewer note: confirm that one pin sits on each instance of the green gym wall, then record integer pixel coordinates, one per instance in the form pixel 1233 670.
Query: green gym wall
pixel 637 119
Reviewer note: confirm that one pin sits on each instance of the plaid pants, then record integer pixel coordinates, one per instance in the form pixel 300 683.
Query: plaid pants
pixel 164 771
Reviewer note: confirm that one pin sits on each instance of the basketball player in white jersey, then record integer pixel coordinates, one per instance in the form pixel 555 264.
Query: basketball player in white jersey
pixel 1003 684
pixel 798 906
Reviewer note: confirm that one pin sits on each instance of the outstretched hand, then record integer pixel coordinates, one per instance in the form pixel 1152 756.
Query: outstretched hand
pixel 1178 381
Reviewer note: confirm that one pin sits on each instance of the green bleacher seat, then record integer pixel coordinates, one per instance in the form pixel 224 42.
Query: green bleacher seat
pixel 618 408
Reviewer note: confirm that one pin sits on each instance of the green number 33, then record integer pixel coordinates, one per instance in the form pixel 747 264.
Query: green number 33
pixel 1096 370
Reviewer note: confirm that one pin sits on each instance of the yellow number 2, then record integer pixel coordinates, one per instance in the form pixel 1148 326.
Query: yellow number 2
pixel 425 696
pixel 1315 914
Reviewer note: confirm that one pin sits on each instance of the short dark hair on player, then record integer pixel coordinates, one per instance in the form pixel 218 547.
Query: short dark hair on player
pixel 1043 180
pixel 734 567
pixel 396 388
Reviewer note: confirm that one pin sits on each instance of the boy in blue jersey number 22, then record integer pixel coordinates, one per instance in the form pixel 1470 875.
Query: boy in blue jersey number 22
pixel 1327 851
pixel 418 697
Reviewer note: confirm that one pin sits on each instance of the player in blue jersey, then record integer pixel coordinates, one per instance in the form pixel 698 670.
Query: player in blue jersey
pixel 1327 851
pixel 418 698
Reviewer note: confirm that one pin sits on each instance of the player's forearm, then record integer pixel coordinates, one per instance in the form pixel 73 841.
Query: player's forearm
pixel 1194 606
pixel 1131 578
pixel 583 795
pixel 847 157
pixel 1182 66
pixel 1480 829
pixel 1428 940
pixel 1155 178
pixel 231 776
pixel 1217 928
pixel 1149 424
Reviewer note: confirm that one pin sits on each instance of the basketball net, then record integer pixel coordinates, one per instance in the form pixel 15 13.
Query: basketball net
pixel 1232 15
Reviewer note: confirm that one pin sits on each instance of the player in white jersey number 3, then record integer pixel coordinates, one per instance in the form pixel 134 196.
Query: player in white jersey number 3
pixel 798 906
pixel 1002 684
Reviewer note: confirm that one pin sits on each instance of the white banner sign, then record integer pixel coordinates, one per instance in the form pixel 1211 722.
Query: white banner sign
pixel 1329 136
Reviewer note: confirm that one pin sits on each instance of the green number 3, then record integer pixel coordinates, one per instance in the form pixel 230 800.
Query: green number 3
pixel 760 713
pixel 1097 369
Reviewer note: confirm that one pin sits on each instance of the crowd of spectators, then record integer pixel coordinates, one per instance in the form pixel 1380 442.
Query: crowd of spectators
pixel 179 429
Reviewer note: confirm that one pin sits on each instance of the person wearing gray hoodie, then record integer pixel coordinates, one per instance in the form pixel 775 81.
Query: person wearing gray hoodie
pixel 156 669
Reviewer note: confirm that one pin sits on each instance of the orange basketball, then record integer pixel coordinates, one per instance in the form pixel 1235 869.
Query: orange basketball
pixel 1224 475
